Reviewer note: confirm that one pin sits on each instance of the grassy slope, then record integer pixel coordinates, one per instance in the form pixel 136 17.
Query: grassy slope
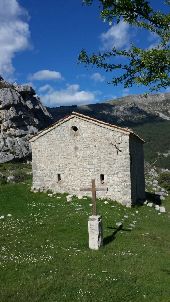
pixel 157 137
pixel 45 256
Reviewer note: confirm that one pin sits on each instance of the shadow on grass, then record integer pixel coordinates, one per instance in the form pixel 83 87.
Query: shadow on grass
pixel 166 271
pixel 112 237
pixel 155 198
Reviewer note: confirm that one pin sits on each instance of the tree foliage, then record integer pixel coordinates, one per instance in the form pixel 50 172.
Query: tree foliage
pixel 149 67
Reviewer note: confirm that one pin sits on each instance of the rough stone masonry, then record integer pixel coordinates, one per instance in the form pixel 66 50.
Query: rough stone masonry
pixel 95 230
pixel 67 155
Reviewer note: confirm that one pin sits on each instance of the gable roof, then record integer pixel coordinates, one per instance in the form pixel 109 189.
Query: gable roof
pixel 89 119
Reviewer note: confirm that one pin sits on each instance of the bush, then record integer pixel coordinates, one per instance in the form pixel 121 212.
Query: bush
pixel 20 176
pixel 164 180
pixel 3 179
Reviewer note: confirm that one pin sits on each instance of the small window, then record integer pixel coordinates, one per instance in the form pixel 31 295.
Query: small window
pixel 58 177
pixel 74 128
pixel 102 178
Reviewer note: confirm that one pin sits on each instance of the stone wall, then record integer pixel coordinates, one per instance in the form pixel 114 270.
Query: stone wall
pixel 137 169
pixel 93 151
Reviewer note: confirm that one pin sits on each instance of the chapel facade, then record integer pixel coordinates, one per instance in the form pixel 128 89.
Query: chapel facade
pixel 78 148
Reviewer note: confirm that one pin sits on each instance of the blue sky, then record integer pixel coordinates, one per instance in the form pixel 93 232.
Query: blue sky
pixel 40 42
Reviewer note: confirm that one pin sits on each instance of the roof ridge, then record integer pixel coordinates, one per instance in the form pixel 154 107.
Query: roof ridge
pixel 100 121
pixel 86 117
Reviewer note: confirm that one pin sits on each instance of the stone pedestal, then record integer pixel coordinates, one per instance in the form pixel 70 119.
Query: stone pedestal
pixel 95 231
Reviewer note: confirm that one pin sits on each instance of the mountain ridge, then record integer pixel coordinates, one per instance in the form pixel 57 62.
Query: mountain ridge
pixel 125 111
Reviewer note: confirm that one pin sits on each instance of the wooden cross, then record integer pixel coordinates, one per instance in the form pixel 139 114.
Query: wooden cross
pixel 93 189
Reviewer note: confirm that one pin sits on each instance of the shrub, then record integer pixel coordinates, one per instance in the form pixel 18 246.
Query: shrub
pixel 20 176
pixel 164 180
pixel 3 179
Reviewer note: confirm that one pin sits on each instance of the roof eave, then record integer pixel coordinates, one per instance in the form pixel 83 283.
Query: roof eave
pixel 126 131
pixel 134 135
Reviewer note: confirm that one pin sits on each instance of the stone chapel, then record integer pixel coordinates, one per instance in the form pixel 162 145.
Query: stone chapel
pixel 78 148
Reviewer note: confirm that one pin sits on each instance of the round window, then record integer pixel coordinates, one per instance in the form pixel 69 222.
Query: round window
pixel 74 128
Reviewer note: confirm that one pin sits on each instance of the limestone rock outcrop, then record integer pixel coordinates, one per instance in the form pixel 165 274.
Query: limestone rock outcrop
pixel 21 116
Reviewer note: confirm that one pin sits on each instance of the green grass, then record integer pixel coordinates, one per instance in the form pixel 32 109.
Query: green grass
pixel 45 256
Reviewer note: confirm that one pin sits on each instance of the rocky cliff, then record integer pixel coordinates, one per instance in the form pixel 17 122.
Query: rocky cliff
pixel 21 116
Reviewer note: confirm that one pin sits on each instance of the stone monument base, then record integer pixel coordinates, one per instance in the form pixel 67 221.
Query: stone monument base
pixel 95 231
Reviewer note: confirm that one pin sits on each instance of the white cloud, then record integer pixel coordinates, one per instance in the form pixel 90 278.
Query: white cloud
pixel 72 95
pixel 46 75
pixel 14 33
pixel 117 36
pixel 45 88
pixel 97 77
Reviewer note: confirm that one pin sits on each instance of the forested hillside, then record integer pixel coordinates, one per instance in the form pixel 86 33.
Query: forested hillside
pixel 157 146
